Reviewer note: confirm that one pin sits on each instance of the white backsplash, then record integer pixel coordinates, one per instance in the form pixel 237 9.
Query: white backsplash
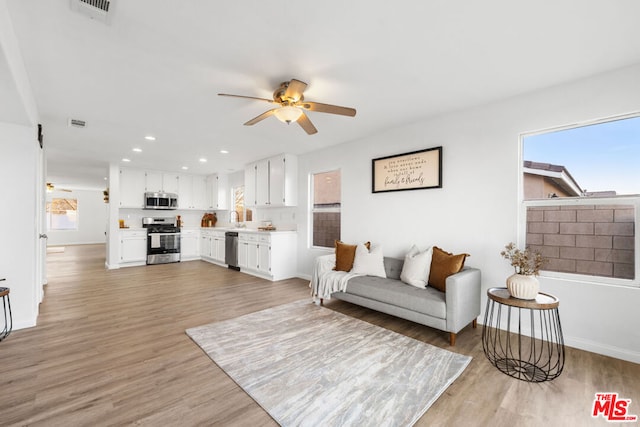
pixel 282 218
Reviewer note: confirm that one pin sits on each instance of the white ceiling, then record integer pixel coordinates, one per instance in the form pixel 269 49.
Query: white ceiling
pixel 157 66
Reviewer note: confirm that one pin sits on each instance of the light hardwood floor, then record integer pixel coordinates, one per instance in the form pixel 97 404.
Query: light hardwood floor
pixel 110 349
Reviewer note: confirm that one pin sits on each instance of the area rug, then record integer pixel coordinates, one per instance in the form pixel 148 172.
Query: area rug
pixel 307 365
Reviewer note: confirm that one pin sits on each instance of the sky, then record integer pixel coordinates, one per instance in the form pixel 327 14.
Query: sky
pixel 600 157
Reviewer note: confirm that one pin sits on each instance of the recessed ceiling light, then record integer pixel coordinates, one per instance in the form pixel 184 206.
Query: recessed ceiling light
pixel 185 168
pixel 105 178
pixel 150 138
pixel 203 160
pixel 224 151
pixel 126 160
pixel 137 150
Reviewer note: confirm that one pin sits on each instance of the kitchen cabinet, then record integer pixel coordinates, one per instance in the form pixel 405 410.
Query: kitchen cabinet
pixel 243 250
pixel 262 183
pixel 268 255
pixel 199 193
pixel 264 254
pixel 132 186
pixel 272 182
pixel 212 246
pixel 133 246
pixel 189 244
pixel 217 189
pixel 161 182
pixel 218 246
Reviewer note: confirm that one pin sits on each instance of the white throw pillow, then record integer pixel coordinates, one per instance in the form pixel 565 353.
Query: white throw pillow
pixel 417 266
pixel 369 262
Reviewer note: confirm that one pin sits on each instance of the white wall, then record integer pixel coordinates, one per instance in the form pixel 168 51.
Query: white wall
pixel 18 162
pixel 476 211
pixel 92 219
pixel 19 182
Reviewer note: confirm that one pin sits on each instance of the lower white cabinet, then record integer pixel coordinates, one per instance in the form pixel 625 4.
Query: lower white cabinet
pixel 133 246
pixel 189 244
pixel 212 245
pixel 268 255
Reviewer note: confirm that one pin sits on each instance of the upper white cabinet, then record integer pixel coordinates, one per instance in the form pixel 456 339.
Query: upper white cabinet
pixel 272 182
pixel 132 187
pixel 161 182
pixel 193 190
pixel 199 189
pixel 217 190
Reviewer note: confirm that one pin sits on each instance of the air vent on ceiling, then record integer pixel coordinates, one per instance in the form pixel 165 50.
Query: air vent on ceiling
pixel 94 9
pixel 75 123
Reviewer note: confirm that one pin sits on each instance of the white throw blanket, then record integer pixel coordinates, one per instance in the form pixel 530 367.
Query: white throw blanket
pixel 325 280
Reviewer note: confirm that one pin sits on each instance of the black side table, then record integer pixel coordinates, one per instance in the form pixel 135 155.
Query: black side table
pixel 6 306
pixel 523 338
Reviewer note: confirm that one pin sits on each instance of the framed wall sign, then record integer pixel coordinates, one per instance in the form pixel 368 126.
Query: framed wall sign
pixel 409 171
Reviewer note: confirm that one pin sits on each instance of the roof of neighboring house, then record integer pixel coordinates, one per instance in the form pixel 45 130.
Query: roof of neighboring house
pixel 556 173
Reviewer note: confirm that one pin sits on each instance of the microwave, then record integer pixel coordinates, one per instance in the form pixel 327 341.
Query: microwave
pixel 166 201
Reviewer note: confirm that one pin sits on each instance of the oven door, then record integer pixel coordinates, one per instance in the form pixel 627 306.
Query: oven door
pixel 163 248
pixel 163 243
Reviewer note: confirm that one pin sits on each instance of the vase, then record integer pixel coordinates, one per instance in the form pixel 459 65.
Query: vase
pixel 522 286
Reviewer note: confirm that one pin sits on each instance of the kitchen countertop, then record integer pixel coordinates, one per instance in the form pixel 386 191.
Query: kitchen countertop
pixel 246 230
pixel 223 229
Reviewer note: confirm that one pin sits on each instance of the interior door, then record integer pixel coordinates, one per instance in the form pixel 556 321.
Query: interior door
pixel 41 215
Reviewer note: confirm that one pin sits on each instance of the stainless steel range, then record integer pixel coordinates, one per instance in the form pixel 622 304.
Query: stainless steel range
pixel 163 240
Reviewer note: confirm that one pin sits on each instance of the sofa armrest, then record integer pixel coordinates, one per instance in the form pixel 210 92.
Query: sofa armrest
pixel 463 298
pixel 321 265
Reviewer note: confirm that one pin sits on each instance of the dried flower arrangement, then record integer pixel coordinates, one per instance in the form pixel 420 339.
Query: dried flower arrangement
pixel 527 262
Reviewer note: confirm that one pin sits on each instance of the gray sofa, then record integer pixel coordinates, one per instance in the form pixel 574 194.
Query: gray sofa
pixel 448 311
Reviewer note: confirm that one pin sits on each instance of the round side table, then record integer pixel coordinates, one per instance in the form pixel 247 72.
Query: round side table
pixel 523 338
pixel 6 306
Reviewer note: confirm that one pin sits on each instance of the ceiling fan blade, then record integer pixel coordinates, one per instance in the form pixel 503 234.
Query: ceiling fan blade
pixel 295 89
pixel 306 124
pixel 247 97
pixel 328 108
pixel 261 117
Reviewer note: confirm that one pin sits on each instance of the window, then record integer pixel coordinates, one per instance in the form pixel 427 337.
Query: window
pixel 325 211
pixel 581 198
pixel 62 214
pixel 238 204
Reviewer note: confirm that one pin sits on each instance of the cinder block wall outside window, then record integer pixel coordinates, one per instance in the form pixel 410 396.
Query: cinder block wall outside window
pixel 596 240
pixel 326 228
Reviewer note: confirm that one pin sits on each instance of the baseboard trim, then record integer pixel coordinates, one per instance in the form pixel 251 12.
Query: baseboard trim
pixel 304 276
pixel 593 347
pixel 603 349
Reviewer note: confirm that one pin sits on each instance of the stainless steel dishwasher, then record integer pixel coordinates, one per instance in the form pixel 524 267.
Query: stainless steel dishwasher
pixel 231 249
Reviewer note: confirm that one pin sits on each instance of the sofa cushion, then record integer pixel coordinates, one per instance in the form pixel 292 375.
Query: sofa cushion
pixel 443 265
pixel 393 267
pixel 427 301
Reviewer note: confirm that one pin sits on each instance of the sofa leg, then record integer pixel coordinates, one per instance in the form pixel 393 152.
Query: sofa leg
pixel 452 339
pixel 321 301
pixel 475 323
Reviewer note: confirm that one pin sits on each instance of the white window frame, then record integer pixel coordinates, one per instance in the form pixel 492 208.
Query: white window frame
pixel 632 200
pixel 49 216
pixel 312 210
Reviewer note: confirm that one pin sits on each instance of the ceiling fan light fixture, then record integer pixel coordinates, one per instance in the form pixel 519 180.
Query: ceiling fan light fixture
pixel 288 114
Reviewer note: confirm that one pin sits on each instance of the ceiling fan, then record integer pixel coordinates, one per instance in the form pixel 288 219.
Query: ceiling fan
pixel 291 106
pixel 51 187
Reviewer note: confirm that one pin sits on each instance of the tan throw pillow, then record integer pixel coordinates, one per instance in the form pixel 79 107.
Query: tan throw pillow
pixel 443 265
pixel 345 254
